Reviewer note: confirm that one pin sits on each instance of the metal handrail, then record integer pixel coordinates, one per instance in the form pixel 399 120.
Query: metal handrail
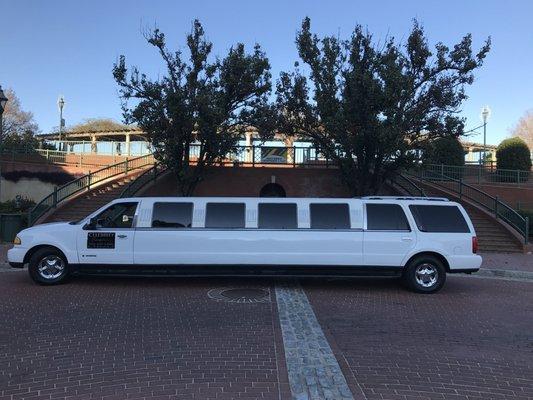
pixel 85 182
pixel 147 176
pixel 408 185
pixel 480 174
pixel 492 204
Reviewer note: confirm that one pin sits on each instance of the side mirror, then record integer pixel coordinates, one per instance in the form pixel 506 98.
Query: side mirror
pixel 91 225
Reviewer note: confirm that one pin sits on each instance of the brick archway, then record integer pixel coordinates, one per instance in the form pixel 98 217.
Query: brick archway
pixel 272 190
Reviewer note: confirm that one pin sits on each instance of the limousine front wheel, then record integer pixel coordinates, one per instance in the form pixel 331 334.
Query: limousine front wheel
pixel 425 274
pixel 48 266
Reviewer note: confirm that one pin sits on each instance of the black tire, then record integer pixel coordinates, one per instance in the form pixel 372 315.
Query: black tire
pixel 425 274
pixel 57 263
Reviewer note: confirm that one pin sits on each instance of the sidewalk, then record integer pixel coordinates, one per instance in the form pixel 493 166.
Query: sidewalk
pixel 4 266
pixel 512 262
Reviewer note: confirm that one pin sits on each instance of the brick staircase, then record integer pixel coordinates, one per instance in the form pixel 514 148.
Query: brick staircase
pixel 492 236
pixel 90 201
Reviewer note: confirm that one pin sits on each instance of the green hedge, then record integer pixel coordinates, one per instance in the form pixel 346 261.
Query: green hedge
pixel 513 153
pixel 445 150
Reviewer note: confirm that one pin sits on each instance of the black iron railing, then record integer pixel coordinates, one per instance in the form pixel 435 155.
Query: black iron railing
pixel 150 175
pixel 76 186
pixel 463 190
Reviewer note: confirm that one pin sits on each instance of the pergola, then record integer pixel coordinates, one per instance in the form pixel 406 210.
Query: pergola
pixel 128 135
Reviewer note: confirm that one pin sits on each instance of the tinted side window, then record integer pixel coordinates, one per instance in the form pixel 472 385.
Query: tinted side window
pixel 330 216
pixel 224 215
pixel 172 215
pixel 118 215
pixel 277 216
pixel 386 217
pixel 439 219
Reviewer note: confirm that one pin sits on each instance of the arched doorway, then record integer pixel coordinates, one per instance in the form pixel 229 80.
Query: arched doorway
pixel 272 190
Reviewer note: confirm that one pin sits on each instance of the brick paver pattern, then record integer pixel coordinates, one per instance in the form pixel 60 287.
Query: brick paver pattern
pixel 473 340
pixel 133 338
pixel 119 338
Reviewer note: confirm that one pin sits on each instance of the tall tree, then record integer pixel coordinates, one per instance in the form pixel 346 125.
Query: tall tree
pixel 524 128
pixel 18 126
pixel 368 106
pixel 201 100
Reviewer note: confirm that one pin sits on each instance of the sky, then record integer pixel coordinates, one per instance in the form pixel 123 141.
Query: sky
pixel 48 48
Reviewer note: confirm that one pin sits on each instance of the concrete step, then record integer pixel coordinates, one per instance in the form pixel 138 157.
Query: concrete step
pixel 88 203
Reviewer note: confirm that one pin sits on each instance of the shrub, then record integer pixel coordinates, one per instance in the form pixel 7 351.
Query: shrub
pixel 513 153
pixel 20 204
pixel 445 150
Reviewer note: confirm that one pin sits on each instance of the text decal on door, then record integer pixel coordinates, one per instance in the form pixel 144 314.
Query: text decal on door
pixel 101 240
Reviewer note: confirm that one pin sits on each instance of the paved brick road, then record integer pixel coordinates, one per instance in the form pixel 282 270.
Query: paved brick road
pixel 119 337
pixel 122 338
pixel 472 340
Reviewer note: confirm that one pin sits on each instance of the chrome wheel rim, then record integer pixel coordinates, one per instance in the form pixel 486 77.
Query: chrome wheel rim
pixel 51 267
pixel 426 275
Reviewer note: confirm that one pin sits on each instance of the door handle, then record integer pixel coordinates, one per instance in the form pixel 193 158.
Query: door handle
pixel 407 239
pixel 122 236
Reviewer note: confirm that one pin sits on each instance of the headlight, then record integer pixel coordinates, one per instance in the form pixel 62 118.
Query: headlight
pixel 17 240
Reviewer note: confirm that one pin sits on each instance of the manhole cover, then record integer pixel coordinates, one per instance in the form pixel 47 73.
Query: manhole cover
pixel 239 295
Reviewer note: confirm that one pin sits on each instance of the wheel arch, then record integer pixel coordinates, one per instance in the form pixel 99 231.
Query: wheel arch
pixel 38 247
pixel 438 256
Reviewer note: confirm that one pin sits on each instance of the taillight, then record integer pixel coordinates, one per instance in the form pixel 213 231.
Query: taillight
pixel 474 244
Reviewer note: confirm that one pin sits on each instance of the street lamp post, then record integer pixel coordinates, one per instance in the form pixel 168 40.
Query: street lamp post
pixel 61 104
pixel 485 114
pixel 3 102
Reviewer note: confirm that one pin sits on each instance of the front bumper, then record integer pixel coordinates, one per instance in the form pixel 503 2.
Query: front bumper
pixel 15 256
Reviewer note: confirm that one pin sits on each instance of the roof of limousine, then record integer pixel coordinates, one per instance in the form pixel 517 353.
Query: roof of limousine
pixel 293 199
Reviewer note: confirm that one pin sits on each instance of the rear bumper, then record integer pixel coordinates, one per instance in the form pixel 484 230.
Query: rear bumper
pixel 464 271
pixel 16 265
pixel 464 264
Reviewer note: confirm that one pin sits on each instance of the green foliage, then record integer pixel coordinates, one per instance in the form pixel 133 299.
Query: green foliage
pixel 97 124
pixel 513 153
pixel 20 204
pixel 18 126
pixel 367 106
pixel 204 101
pixel 445 150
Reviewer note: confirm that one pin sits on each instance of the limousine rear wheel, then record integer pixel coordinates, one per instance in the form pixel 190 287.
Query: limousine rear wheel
pixel 48 266
pixel 425 274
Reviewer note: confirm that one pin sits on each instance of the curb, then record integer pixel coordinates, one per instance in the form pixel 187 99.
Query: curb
pixel 505 274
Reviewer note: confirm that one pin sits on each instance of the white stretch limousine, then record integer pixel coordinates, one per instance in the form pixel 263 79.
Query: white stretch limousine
pixel 419 239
